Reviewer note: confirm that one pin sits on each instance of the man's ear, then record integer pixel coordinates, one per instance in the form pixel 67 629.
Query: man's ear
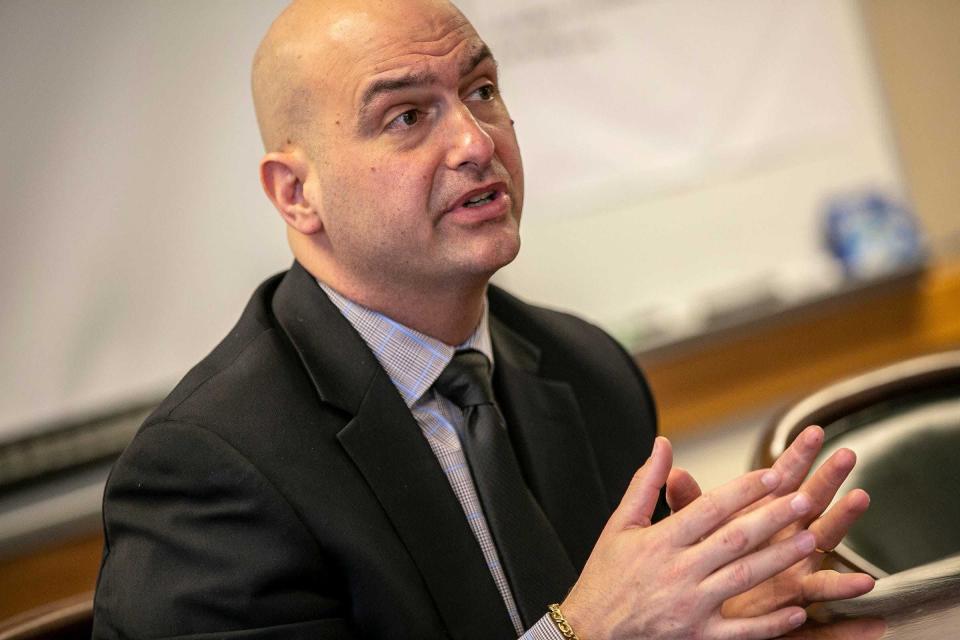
pixel 282 175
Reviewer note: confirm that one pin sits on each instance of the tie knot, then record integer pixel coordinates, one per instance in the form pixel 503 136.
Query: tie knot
pixel 466 380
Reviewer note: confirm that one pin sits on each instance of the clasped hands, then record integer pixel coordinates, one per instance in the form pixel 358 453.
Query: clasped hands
pixel 739 562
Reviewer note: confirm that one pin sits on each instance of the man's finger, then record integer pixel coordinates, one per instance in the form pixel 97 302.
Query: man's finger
pixel 794 463
pixel 771 625
pixel 682 489
pixel 744 533
pixel 749 571
pixel 640 499
pixel 831 528
pixel 824 483
pixel 826 585
pixel 710 510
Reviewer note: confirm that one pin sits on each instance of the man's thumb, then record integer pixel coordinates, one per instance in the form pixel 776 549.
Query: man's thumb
pixel 640 499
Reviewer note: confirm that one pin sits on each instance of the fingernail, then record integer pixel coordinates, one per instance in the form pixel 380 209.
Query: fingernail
pixel 805 541
pixel 656 445
pixel 800 503
pixel 770 479
pixel 798 618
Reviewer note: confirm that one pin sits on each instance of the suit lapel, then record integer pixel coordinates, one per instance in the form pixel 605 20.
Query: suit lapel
pixel 399 466
pixel 550 440
pixel 385 443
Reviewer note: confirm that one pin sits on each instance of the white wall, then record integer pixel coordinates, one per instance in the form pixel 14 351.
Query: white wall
pixel 134 228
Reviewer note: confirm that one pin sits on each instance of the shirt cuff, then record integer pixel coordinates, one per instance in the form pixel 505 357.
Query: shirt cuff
pixel 544 629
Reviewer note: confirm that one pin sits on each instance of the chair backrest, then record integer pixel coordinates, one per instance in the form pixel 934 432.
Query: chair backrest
pixel 903 421
pixel 67 619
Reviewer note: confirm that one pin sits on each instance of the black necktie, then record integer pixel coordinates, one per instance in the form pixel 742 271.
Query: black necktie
pixel 537 567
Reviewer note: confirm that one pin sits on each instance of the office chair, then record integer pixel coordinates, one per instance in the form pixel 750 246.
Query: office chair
pixel 903 421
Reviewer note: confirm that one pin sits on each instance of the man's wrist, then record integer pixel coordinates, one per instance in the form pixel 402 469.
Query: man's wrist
pixel 556 615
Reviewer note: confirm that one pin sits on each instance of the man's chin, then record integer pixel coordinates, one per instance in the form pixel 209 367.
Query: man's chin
pixel 476 267
pixel 499 253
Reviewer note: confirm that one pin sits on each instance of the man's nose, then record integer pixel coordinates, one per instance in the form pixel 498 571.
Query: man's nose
pixel 470 144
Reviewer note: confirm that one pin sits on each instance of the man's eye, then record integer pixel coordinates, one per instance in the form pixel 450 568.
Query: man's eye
pixel 486 92
pixel 405 120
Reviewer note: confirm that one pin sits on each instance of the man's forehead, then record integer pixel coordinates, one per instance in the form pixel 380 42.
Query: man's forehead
pixel 455 51
pixel 343 28
pixel 335 48
pixel 378 47
pixel 400 60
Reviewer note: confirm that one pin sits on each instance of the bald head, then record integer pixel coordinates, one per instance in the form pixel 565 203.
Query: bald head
pixel 297 58
pixel 381 119
pixel 281 79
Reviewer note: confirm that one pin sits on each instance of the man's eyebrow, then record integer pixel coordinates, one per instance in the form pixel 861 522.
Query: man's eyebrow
pixel 388 85
pixel 474 61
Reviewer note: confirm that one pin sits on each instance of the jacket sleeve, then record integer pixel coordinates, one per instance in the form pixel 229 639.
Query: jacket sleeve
pixel 199 544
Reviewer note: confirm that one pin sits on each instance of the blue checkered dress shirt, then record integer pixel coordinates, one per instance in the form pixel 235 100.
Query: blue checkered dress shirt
pixel 414 361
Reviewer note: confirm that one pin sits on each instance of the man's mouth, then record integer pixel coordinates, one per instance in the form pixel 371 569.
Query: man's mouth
pixel 480 196
pixel 481 199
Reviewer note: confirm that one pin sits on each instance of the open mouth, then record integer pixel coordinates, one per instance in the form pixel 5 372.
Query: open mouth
pixel 481 199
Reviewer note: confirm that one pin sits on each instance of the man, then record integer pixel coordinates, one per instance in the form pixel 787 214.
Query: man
pixel 337 468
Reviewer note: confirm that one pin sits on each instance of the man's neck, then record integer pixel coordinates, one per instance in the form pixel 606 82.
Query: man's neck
pixel 450 316
pixel 448 312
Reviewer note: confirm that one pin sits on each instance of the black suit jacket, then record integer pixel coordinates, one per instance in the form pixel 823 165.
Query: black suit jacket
pixel 283 489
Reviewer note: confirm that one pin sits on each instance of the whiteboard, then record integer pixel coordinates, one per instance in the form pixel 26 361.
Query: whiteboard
pixel 679 153
pixel 675 151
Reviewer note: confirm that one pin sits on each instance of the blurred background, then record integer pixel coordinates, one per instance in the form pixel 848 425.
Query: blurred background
pixel 756 197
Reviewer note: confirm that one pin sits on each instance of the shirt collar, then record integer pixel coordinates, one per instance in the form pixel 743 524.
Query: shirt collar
pixel 412 360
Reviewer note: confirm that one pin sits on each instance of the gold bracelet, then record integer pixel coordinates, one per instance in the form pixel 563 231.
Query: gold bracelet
pixel 562 625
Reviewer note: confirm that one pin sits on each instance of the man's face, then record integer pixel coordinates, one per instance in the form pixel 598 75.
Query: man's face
pixel 417 163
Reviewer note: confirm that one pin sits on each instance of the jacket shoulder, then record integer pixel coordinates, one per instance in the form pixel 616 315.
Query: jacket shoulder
pixel 568 342
pixel 254 326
